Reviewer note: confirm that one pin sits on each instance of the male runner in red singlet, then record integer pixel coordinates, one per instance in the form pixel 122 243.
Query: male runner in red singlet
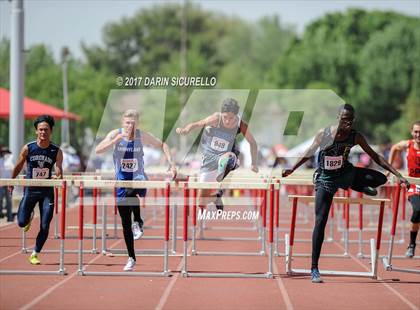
pixel 412 147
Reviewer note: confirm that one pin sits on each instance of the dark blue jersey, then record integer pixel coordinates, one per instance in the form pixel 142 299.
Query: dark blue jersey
pixel 40 162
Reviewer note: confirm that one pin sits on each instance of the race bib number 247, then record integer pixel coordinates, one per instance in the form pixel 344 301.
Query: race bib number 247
pixel 40 173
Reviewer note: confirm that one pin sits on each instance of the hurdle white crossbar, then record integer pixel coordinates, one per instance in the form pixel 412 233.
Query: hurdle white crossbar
pixel 374 246
pixel 126 184
pixel 225 185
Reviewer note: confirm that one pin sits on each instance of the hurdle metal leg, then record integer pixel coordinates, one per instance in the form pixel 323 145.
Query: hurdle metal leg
pixel 115 225
pixel 360 253
pixel 104 227
pixel 56 236
pixel 24 246
pixel 185 231
pixel 174 227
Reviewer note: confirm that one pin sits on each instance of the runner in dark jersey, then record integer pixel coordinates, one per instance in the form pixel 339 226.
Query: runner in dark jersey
pixel 40 157
pixel 335 171
pixel 128 154
pixel 219 153
pixel 412 147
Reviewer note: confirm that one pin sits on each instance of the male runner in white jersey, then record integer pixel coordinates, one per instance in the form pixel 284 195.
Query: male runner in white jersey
pixel 219 154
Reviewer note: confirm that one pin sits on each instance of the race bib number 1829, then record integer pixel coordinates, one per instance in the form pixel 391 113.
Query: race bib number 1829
pixel 333 162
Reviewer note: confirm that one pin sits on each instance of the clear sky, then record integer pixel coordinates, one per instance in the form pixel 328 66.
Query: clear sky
pixel 60 23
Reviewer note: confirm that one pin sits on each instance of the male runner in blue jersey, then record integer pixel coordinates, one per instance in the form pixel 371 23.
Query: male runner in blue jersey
pixel 128 155
pixel 40 157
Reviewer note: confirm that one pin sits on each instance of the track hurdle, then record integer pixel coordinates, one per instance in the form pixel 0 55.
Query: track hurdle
pixel 127 184
pixel 216 185
pixel 194 186
pixel 115 252
pixel 387 260
pixel 256 196
pixel 43 183
pixel 347 200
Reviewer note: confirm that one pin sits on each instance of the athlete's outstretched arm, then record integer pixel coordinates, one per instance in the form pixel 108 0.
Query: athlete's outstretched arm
pixel 308 154
pixel 111 138
pixel 253 144
pixel 397 148
pixel 59 165
pixel 148 139
pixel 19 164
pixel 360 140
pixel 210 120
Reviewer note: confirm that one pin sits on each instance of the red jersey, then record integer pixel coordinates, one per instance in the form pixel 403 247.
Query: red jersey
pixel 413 163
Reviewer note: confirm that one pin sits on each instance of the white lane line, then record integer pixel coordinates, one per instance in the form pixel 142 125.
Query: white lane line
pixel 282 287
pixel 164 298
pixel 54 287
pixel 403 299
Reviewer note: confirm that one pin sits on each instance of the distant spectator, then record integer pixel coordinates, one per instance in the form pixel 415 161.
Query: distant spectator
pixel 4 193
pixel 71 161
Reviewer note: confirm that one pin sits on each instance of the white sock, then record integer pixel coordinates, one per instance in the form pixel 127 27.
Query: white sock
pixel 34 252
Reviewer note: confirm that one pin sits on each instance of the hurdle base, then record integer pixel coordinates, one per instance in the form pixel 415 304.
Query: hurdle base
pixel 231 228
pixel 33 272
pixel 174 254
pixel 404 257
pixel 125 273
pixel 189 274
pixel 307 240
pixel 111 252
pixel 344 255
pixel 204 253
pixel 337 273
pixel 229 239
pixel 389 267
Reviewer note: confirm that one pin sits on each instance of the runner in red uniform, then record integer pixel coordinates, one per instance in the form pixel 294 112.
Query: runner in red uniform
pixel 412 147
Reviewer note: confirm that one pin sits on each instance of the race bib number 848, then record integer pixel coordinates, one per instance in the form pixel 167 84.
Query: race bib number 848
pixel 219 144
